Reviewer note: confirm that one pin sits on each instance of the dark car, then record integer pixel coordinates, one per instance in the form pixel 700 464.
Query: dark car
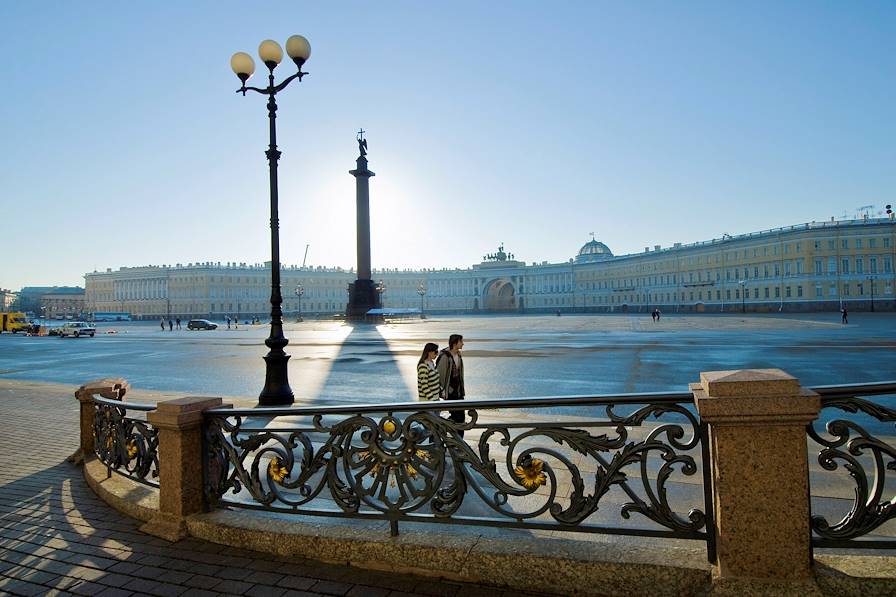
pixel 201 324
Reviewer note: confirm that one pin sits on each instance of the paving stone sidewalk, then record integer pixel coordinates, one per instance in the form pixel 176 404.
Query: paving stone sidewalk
pixel 58 538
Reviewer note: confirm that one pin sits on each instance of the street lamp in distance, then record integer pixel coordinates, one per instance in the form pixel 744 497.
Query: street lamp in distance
pixel 276 391
pixel 421 290
pixel 300 291
pixel 743 295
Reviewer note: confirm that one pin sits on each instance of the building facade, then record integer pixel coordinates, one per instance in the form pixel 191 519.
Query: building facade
pixel 50 301
pixel 62 305
pixel 806 267
pixel 7 299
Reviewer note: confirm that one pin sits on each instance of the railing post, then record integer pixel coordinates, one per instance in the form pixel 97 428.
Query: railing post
pixel 179 423
pixel 113 389
pixel 760 471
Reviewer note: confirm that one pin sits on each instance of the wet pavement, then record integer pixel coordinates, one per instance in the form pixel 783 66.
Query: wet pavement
pixel 505 356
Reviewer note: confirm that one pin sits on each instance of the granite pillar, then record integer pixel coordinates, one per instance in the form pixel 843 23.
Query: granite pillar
pixel 179 423
pixel 760 471
pixel 113 389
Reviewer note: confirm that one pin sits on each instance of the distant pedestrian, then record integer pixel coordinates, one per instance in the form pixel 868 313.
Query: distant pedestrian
pixel 170 326
pixel 236 322
pixel 653 315
pixel 844 313
pixel 450 365
pixel 658 313
pixel 427 374
pixel 177 321
pixel 162 323
pixel 228 322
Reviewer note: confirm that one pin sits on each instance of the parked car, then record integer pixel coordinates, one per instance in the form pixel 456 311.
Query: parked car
pixel 201 324
pixel 77 328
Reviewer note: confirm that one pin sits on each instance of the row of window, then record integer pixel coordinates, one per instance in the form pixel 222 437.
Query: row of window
pixel 858 268
pixel 858 243
pixel 749 293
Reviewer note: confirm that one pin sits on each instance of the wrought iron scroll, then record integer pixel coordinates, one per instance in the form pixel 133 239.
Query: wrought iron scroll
pixel 844 443
pixel 126 445
pixel 418 466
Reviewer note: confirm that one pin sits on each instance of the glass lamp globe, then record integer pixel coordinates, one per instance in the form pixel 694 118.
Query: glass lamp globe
pixel 243 65
pixel 270 53
pixel 298 48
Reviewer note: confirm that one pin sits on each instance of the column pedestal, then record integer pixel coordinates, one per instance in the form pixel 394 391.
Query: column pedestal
pixel 363 296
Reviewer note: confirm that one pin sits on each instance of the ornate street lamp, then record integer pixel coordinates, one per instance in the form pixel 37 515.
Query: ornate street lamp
pixel 743 296
pixel 276 389
pixel 421 290
pixel 300 291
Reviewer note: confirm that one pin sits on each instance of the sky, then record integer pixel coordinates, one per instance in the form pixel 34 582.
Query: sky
pixel 528 123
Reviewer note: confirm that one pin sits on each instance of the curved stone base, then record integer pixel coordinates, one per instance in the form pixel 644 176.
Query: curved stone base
pixel 128 497
pixel 512 559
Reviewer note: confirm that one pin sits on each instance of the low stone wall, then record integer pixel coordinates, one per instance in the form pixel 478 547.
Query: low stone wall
pixel 755 424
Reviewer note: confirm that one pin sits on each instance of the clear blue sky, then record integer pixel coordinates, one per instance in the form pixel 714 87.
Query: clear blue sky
pixel 530 123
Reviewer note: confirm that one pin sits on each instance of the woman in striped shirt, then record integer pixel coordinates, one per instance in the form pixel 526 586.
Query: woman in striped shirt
pixel 427 375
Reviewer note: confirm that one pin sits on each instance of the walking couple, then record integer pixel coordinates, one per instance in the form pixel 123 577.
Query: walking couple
pixel 440 375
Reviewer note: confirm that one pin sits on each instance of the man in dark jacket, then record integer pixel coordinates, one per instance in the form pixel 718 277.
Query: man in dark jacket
pixel 450 366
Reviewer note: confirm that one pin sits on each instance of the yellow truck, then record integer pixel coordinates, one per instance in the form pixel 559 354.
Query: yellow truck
pixel 14 322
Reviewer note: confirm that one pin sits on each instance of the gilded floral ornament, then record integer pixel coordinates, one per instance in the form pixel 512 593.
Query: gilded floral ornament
pixel 389 427
pixel 411 471
pixel 530 474
pixel 277 471
pixel 132 449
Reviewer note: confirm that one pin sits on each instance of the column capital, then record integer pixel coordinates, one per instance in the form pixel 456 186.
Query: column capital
pixel 361 170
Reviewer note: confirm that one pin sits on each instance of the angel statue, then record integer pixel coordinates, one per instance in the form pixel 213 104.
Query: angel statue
pixel 362 143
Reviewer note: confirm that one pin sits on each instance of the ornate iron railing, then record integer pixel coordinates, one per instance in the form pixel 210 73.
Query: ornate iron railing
pixel 126 445
pixel 519 463
pixel 865 445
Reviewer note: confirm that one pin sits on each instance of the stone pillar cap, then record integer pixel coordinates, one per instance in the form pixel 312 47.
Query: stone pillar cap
pixel 113 388
pixel 749 382
pixel 754 397
pixel 187 404
pixel 181 413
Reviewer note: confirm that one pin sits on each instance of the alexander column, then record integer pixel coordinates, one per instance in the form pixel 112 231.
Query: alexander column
pixel 363 294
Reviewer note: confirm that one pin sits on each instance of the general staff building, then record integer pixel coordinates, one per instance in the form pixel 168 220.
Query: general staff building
pixel 805 267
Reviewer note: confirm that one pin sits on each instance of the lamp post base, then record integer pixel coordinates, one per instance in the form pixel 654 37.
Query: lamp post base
pixel 276 391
